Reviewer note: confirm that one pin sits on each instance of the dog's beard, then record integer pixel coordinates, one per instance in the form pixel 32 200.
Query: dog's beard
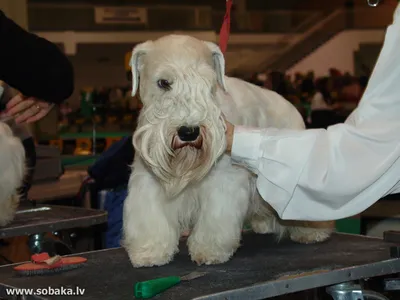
pixel 178 164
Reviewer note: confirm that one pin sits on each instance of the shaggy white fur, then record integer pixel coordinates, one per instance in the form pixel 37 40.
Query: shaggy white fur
pixel 12 166
pixel 180 184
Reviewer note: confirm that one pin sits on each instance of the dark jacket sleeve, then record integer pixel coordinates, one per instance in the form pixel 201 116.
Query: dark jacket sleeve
pixel 113 168
pixel 33 65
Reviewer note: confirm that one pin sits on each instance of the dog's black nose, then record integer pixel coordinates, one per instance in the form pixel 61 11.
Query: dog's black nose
pixel 188 134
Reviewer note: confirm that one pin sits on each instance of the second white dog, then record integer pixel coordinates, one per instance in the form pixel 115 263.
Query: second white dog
pixel 12 168
pixel 181 177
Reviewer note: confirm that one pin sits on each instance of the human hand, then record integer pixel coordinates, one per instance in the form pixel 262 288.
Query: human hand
pixel 230 128
pixel 27 109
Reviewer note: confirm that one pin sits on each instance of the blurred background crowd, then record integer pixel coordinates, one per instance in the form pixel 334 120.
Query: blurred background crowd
pixel 322 101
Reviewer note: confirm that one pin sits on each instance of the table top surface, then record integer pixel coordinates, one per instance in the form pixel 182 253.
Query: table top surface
pixel 48 218
pixel 262 268
pixel 68 185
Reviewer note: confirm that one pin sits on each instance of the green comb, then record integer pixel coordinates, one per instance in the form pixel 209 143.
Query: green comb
pixel 150 288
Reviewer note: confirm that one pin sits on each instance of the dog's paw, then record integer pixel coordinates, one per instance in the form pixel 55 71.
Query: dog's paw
pixel 210 254
pixel 150 257
pixel 207 258
pixel 310 236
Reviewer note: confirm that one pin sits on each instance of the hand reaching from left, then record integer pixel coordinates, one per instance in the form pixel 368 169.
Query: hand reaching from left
pixel 27 109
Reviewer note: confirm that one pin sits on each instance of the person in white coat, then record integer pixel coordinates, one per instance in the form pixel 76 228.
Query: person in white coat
pixel 321 175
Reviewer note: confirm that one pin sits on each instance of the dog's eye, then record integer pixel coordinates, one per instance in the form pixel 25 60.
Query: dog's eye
pixel 164 84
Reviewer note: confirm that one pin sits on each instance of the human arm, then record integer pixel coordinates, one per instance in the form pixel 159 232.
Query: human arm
pixel 319 174
pixel 33 65
pixel 331 174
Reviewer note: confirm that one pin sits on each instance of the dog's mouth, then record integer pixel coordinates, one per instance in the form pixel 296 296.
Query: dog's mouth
pixel 177 143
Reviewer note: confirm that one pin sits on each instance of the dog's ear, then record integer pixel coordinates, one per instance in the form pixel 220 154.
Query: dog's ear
pixel 135 63
pixel 219 63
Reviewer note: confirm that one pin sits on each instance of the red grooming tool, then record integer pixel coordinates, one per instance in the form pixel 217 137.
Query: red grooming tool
pixel 43 264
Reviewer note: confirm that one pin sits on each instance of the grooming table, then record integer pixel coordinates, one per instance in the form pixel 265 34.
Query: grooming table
pixel 260 269
pixel 35 221
pixel 48 218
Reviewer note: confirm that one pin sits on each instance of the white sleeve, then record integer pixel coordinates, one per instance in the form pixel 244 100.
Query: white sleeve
pixel 320 174
pixel 331 174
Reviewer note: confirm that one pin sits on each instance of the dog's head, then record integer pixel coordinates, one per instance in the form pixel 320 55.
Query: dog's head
pixel 180 132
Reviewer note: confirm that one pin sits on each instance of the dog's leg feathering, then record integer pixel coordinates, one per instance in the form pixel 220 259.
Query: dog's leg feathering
pixel 150 231
pixel 263 218
pixel 224 203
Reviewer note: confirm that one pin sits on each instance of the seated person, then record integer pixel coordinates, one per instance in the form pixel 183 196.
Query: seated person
pixel 111 173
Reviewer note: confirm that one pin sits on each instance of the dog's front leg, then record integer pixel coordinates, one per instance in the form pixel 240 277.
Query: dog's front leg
pixel 150 230
pixel 224 202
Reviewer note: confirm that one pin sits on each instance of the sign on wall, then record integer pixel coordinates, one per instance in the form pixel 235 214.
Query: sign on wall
pixel 120 15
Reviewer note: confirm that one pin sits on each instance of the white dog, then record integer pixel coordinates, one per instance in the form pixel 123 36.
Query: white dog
pixel 12 166
pixel 181 177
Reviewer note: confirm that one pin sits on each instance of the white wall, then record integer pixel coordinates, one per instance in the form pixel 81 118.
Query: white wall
pixel 338 52
pixel 17 10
